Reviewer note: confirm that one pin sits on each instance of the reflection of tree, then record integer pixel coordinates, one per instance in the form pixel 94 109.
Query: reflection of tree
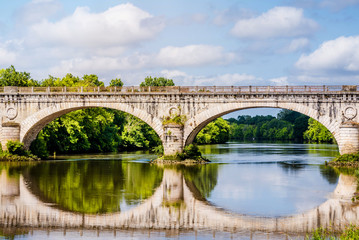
pixel 329 174
pixel 94 186
pixel 204 177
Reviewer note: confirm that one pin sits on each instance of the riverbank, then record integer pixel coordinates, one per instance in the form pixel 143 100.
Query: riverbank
pixel 351 232
pixel 8 157
pixel 179 162
pixel 346 160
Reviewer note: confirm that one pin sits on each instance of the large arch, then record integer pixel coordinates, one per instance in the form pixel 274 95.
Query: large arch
pixel 194 125
pixel 33 124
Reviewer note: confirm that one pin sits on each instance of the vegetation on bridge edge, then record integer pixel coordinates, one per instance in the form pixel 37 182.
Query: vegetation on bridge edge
pixel 16 153
pixel 346 160
pixel 190 155
pixel 350 233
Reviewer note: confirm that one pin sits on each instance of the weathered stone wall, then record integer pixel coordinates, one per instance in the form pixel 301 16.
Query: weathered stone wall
pixel 32 111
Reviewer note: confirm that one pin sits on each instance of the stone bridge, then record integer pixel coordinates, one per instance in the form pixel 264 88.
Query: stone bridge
pixel 25 111
pixel 176 204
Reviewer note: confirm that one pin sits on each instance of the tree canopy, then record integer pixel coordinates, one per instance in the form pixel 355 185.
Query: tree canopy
pixel 11 77
pixel 157 82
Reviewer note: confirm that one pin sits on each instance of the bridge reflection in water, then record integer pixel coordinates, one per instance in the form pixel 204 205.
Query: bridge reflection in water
pixel 176 204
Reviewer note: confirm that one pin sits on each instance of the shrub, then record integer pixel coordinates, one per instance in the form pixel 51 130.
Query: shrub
pixel 190 152
pixel 16 147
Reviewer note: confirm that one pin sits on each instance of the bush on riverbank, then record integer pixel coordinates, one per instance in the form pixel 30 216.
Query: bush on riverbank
pixel 350 233
pixel 16 153
pixel 348 160
pixel 190 152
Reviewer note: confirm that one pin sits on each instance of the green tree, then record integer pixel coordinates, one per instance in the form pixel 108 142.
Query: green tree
pixel 299 121
pixel 116 82
pixel 216 131
pixel 157 82
pixel 11 77
pixel 91 81
pixel 137 134
pixel 318 133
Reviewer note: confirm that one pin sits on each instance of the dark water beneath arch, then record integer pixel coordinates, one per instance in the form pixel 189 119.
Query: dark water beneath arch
pixel 257 179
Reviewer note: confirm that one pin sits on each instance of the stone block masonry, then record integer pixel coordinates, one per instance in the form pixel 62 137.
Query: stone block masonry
pixel 25 111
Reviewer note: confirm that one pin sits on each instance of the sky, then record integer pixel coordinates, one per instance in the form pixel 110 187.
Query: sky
pixel 202 42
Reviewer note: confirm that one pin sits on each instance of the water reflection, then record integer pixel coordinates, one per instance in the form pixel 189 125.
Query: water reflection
pixel 176 203
pixel 269 187
pixel 97 186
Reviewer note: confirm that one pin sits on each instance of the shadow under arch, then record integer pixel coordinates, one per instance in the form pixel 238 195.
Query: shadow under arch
pixel 32 125
pixel 194 125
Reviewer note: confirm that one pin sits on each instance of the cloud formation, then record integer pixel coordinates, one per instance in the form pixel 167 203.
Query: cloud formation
pixel 167 57
pixel 192 55
pixel 276 23
pixel 219 80
pixel 123 24
pixel 340 55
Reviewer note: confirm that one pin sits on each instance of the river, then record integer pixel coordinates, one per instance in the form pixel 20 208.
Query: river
pixel 248 191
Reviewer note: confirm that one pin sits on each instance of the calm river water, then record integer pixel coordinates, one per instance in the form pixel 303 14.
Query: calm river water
pixel 248 191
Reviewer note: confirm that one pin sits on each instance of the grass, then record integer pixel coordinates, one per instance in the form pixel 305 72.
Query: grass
pixel 350 233
pixel 346 160
pixel 8 157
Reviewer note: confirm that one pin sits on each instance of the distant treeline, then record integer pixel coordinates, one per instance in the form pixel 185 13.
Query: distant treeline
pixel 288 125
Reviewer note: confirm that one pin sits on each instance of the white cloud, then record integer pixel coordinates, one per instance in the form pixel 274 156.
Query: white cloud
pixel 193 55
pixel 123 24
pixel 338 55
pixel 281 81
pixel 235 79
pixel 277 22
pixel 187 56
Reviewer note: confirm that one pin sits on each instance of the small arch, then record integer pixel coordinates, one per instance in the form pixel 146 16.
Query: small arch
pixel 194 125
pixel 33 124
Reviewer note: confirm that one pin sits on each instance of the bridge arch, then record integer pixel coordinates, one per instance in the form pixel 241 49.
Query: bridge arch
pixel 194 125
pixel 32 125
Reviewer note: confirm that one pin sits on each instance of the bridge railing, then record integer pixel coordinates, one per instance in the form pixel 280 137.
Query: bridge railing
pixel 185 89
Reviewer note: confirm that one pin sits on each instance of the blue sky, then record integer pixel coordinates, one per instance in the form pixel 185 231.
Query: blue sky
pixel 202 42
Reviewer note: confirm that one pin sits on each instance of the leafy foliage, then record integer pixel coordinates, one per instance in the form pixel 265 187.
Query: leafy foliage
pixel 299 121
pixel 216 131
pixel 318 133
pixel 350 233
pixel 261 127
pixel 116 82
pixel 177 119
pixel 190 151
pixel 11 77
pixel 16 147
pixel 93 129
pixel 157 82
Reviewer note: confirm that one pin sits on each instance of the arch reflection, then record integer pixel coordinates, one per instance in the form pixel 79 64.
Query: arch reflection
pixel 176 203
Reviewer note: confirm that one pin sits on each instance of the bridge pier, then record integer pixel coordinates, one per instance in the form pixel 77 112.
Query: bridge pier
pixel 173 139
pixel 10 131
pixel 348 141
